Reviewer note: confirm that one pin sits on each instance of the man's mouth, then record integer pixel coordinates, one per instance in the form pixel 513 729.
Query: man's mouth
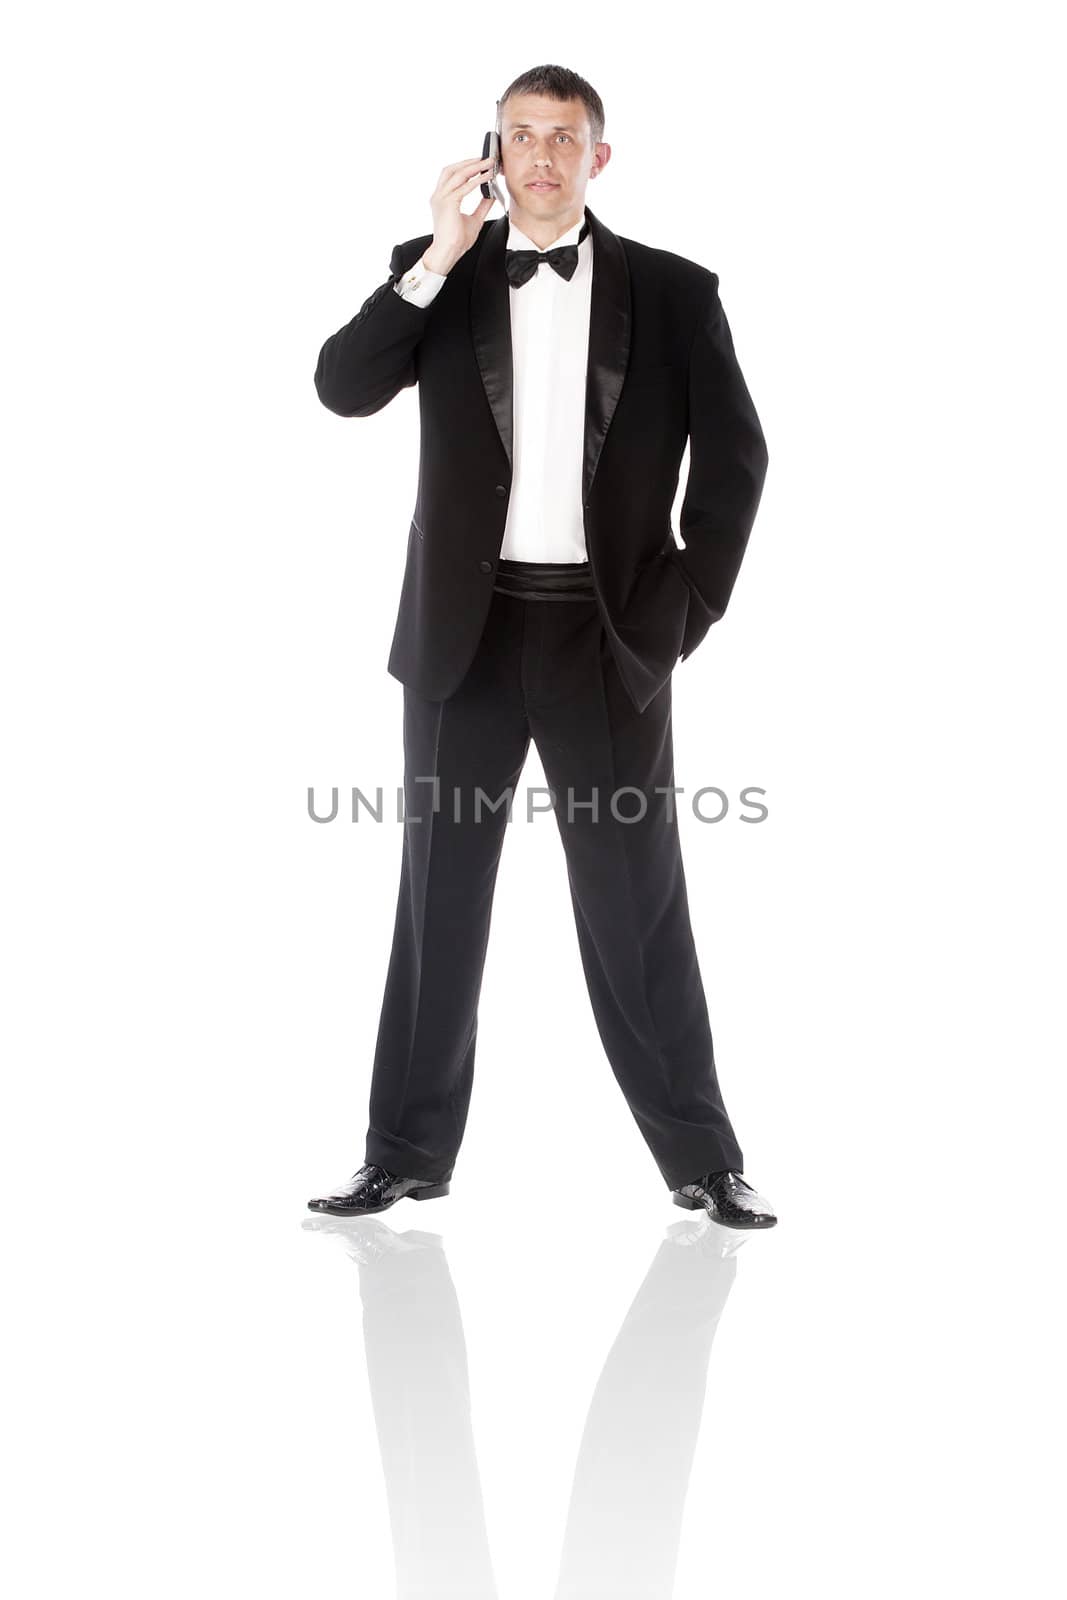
pixel 538 183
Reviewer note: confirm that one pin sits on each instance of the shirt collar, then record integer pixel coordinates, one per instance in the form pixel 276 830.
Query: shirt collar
pixel 517 240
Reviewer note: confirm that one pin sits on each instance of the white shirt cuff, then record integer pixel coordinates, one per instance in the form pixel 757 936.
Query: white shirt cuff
pixel 420 284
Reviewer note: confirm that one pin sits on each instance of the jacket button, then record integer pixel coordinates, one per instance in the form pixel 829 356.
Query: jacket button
pixel 501 490
pixel 485 566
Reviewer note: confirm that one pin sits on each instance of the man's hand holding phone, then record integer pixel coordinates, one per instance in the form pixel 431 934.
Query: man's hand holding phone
pixel 454 231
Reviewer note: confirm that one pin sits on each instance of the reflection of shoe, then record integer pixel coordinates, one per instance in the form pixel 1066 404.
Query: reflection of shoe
pixel 365 1242
pixel 707 1238
pixel 728 1199
pixel 368 1241
pixel 374 1189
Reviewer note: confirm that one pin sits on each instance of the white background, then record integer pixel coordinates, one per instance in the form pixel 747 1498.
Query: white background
pixel 200 575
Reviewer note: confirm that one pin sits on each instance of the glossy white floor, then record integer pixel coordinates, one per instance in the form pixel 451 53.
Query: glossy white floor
pixel 569 1393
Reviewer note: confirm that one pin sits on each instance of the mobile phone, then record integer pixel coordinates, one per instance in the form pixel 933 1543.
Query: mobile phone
pixel 491 147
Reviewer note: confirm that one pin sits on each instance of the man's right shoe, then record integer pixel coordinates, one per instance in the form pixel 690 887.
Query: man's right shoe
pixel 374 1189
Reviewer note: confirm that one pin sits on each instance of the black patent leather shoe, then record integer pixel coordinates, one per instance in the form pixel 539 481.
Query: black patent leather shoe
pixel 373 1189
pixel 727 1199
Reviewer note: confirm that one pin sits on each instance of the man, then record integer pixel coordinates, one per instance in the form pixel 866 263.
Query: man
pixel 560 370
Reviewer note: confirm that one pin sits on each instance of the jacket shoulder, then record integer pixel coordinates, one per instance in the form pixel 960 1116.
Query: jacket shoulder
pixel 665 266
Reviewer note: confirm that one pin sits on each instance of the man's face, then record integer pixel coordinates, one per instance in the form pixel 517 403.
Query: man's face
pixel 547 154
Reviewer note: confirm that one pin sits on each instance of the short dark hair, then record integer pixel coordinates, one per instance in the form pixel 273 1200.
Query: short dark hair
pixel 559 83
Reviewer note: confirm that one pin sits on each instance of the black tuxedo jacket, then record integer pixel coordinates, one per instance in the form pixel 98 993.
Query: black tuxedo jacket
pixel 661 369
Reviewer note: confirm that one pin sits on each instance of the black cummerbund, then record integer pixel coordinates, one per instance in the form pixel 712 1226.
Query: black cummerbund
pixel 545 580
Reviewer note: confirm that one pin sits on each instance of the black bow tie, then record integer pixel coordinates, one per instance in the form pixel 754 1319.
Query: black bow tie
pixel 522 264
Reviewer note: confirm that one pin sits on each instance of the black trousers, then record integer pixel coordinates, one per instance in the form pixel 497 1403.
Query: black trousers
pixel 544 669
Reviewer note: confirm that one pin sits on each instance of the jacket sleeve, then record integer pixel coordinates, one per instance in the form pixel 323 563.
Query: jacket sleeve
pixel 727 467
pixel 368 361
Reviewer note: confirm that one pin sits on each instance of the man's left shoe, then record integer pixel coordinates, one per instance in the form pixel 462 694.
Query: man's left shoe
pixel 727 1199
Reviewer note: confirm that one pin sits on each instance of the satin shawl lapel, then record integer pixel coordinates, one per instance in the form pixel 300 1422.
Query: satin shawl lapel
pixel 609 336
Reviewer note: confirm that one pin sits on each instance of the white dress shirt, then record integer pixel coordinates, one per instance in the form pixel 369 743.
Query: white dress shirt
pixel 550 357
